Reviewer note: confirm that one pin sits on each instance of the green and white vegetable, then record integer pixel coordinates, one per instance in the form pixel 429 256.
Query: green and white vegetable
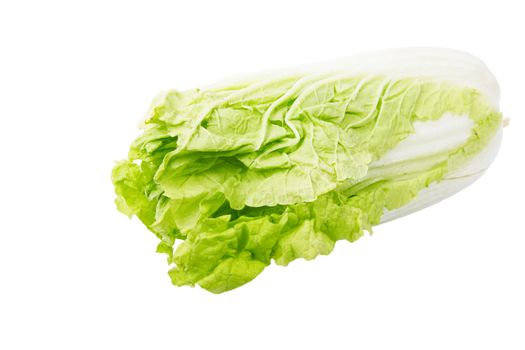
pixel 281 165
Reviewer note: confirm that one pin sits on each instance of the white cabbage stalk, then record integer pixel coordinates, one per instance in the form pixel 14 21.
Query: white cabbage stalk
pixel 455 180
pixel 444 134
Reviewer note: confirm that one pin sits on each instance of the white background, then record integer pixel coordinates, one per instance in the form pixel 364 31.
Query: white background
pixel 76 77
